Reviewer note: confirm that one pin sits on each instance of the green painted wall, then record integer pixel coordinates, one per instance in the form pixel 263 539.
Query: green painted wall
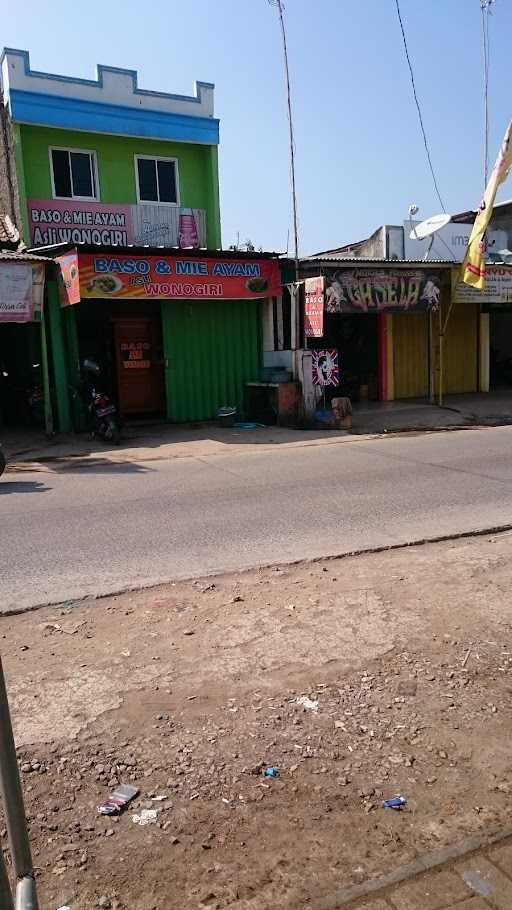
pixel 211 350
pixel 197 167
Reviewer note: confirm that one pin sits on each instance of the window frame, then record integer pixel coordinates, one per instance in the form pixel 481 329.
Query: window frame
pixel 92 153
pixel 136 159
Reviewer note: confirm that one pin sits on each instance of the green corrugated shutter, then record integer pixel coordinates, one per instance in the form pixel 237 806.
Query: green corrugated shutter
pixel 212 348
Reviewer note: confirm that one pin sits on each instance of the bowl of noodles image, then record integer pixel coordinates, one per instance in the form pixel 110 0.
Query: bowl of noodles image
pixel 257 285
pixel 102 285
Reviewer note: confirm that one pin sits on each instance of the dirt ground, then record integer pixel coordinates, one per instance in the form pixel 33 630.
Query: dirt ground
pixel 358 678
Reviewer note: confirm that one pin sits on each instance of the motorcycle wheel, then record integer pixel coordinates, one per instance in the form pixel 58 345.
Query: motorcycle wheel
pixel 2 462
pixel 112 433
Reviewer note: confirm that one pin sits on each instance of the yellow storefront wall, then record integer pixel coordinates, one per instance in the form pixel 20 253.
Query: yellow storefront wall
pixel 410 362
pixel 410 355
pixel 460 357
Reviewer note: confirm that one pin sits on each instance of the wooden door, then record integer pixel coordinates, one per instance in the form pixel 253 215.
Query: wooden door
pixel 140 372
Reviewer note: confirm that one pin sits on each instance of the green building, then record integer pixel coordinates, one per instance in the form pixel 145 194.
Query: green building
pixel 102 165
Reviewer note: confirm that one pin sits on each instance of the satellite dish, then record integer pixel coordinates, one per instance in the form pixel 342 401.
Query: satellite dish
pixel 429 226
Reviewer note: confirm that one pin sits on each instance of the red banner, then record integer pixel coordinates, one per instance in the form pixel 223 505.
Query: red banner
pixel 175 277
pixel 314 290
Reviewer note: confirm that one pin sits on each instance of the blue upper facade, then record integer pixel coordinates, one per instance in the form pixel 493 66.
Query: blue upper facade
pixel 113 103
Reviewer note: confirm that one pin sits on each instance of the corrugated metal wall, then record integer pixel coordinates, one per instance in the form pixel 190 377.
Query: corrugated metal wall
pixel 461 348
pixel 211 349
pixel 410 347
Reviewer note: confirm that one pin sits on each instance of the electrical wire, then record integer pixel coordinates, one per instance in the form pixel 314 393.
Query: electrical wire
pixel 413 83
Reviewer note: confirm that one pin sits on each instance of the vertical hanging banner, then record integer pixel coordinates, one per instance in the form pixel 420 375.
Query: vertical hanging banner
pixel 325 366
pixel 68 277
pixel 314 295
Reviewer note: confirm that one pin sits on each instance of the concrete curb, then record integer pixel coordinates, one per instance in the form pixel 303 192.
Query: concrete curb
pixel 384 548
pixel 24 460
pixel 428 862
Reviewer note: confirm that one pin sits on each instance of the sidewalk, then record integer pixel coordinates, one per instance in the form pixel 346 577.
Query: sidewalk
pixel 478 409
pixel 153 442
pixel 476 875
pixel 159 441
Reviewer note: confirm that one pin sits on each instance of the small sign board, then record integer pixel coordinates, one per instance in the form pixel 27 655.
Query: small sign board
pixel 325 367
pixel 314 297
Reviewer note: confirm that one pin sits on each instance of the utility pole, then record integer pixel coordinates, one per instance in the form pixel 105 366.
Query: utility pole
pixel 279 5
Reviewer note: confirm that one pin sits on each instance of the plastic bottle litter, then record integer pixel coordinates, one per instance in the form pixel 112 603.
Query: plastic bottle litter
pixel 271 772
pixel 397 802
pixel 146 817
pixel 117 800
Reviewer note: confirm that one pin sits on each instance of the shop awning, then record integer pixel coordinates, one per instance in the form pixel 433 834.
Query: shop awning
pixel 116 273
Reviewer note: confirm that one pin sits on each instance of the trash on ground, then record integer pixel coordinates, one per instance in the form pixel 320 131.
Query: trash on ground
pixel 117 800
pixel 397 802
pixel 307 703
pixel 146 817
pixel 159 799
pixel 248 425
pixel 477 882
pixel 271 772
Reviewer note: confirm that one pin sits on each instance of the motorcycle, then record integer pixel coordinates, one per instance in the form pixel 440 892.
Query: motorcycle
pixel 101 409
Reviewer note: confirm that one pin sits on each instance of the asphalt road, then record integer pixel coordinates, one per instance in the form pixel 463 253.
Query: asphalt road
pixel 68 533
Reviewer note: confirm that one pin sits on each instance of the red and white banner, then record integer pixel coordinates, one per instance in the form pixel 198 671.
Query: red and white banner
pixel 314 296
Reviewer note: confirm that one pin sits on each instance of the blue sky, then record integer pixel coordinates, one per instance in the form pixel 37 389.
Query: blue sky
pixel 360 156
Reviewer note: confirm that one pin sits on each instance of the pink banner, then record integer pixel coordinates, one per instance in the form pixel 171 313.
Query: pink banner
pixel 64 221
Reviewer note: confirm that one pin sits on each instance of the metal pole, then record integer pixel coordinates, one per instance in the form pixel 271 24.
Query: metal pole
pixel 431 385
pixel 441 339
pixel 292 140
pixel 26 897
pixel 5 888
pixel 48 411
pixel 12 797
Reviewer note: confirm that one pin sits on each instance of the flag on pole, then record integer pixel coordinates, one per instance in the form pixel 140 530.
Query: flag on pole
pixel 473 267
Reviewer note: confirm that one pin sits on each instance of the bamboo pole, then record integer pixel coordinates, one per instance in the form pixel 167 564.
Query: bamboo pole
pixel 431 384
pixel 441 339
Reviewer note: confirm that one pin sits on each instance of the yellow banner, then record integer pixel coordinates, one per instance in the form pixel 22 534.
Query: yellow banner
pixel 473 267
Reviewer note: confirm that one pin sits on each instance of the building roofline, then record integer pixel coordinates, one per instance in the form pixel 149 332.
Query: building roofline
pixel 101 69
pixel 61 248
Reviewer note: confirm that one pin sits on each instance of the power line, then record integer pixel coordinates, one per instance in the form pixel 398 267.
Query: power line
pixel 425 141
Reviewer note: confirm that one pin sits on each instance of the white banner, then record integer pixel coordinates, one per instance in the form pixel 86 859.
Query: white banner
pixel 16 299
pixel 498 288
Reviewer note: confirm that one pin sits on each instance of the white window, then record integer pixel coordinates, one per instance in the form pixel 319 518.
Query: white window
pixel 74 174
pixel 157 179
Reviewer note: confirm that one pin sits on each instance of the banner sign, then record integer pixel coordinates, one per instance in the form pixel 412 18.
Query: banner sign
pixel 498 287
pixel 174 278
pixel 376 290
pixel 54 221
pixel 136 355
pixel 21 290
pixel 69 284
pixel 325 367
pixel 314 291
